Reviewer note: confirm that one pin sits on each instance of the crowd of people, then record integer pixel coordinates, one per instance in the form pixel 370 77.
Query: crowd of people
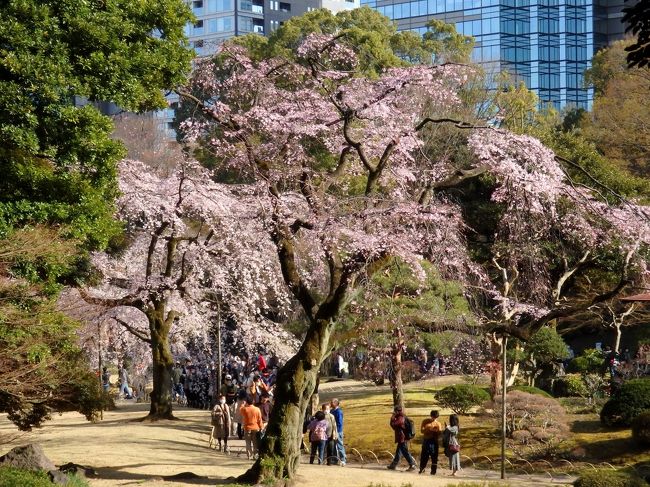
pixel 432 432
pixel 195 384
pixel 325 429
pixel 243 407
pixel 244 401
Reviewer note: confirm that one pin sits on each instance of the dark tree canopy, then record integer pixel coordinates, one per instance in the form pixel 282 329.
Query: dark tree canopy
pixel 638 17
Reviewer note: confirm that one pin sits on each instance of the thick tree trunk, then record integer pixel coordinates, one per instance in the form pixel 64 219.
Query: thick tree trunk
pixel 396 384
pixel 617 344
pixel 279 452
pixel 163 362
pixel 496 375
pixel 513 374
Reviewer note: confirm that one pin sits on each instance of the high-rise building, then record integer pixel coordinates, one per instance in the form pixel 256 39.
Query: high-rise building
pixel 546 43
pixel 217 20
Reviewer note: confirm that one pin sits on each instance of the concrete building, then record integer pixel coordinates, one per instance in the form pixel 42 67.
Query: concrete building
pixel 546 43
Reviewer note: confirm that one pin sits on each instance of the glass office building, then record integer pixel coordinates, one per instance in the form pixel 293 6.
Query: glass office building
pixel 546 43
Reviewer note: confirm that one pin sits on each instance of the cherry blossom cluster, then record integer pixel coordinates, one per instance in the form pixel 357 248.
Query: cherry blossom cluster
pixel 335 162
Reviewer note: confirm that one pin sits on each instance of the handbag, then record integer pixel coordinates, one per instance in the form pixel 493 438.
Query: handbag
pixel 454 448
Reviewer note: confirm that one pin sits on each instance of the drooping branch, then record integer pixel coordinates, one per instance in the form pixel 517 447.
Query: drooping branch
pixel 524 330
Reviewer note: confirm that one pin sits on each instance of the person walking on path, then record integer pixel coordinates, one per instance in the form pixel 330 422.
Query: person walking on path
pixel 106 379
pixel 252 420
pixel 398 423
pixel 236 413
pixel 332 435
pixel 430 430
pixel 337 412
pixel 318 437
pixel 221 421
pixel 124 383
pixel 451 444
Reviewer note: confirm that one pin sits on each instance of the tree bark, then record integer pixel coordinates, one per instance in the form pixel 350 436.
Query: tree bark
pixel 496 376
pixel 163 362
pixel 619 333
pixel 396 384
pixel 279 452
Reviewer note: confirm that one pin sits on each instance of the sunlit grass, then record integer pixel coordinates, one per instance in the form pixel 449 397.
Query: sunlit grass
pixel 367 429
pixel 367 424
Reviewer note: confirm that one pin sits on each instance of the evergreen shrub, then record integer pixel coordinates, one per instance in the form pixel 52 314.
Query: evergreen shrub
pixel 632 399
pixel 609 478
pixel 641 428
pixel 460 398
pixel 571 385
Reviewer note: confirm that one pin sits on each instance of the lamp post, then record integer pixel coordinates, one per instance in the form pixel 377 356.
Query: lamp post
pixel 504 343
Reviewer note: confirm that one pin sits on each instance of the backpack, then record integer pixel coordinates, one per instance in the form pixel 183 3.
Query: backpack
pixel 319 433
pixel 409 428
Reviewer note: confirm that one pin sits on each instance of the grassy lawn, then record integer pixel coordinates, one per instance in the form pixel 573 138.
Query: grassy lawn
pixel 367 428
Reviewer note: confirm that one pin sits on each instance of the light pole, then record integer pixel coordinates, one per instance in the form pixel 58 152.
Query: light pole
pixel 504 343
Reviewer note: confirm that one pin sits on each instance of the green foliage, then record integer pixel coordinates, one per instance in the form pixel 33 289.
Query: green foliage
pixel 515 103
pixel 14 477
pixel 618 123
pixel 460 398
pixel 57 159
pixel 632 399
pixel 374 37
pixel 41 366
pixel 546 346
pixel 641 428
pixel 442 342
pixel 396 297
pixel 608 478
pixel 530 390
pixel 571 385
pixel 590 361
pixel 58 164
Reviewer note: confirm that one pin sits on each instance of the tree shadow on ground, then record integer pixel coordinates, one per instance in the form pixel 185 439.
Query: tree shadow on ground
pixel 137 478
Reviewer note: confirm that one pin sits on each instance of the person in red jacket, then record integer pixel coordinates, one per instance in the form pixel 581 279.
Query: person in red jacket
pixel 261 363
pixel 398 423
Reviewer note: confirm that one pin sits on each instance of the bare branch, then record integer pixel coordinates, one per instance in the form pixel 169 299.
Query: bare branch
pixel 135 332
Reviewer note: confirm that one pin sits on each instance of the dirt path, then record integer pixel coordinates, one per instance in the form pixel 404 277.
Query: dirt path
pixel 125 452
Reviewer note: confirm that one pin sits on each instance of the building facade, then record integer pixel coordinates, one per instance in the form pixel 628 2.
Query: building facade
pixel 218 20
pixel 546 43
